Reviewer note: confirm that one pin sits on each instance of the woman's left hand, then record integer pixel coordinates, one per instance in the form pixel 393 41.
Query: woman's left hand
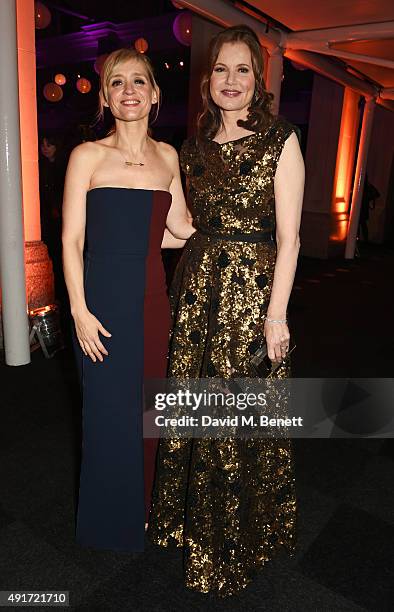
pixel 277 337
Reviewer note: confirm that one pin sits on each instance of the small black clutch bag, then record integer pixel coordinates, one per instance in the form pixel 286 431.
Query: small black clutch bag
pixel 262 364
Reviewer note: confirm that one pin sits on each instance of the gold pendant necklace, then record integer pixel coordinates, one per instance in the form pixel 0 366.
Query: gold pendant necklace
pixel 130 163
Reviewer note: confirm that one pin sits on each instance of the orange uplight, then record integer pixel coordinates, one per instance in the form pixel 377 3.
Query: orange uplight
pixel 344 164
pixel 341 206
pixel 28 118
pixel 39 312
pixel 340 230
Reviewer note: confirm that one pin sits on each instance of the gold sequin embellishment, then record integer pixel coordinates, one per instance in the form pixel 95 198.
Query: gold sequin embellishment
pixel 229 502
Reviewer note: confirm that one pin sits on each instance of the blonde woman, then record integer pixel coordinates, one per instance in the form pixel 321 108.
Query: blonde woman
pixel 121 193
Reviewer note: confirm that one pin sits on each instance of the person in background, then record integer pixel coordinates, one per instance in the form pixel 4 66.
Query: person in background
pixel 370 194
pixel 52 170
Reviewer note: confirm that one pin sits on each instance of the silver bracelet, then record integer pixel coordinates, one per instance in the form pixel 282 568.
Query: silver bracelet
pixel 275 320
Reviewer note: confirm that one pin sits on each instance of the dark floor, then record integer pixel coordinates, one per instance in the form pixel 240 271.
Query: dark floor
pixel 342 318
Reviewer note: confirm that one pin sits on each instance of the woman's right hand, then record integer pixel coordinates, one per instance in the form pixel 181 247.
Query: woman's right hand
pixel 87 328
pixel 277 337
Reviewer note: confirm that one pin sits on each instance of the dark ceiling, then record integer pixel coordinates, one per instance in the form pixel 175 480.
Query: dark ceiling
pixel 69 15
pixel 116 10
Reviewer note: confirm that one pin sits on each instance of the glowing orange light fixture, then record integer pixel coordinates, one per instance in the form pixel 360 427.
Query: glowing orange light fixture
pixel 42 16
pixel 182 28
pixel 344 165
pixel 83 85
pixel 52 92
pixel 60 79
pixel 141 45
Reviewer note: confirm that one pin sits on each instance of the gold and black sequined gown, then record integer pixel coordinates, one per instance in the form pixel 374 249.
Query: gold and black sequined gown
pixel 229 502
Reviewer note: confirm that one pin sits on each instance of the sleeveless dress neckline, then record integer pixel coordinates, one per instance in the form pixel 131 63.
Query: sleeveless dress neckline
pixel 234 141
pixel 130 188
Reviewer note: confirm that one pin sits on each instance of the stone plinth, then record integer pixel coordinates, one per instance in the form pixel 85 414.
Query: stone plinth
pixel 39 275
pixel 39 278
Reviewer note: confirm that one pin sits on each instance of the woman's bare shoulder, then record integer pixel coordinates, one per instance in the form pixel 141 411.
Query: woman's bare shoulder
pixel 90 150
pixel 84 152
pixel 167 152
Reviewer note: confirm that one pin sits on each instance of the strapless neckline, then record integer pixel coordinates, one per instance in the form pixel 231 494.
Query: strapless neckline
pixel 128 188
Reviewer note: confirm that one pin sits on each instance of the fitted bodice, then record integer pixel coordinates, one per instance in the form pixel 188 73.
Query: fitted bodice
pixel 127 225
pixel 121 220
pixel 231 185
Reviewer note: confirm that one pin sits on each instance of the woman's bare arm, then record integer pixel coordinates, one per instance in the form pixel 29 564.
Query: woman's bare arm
pixel 179 220
pixel 80 169
pixel 289 191
pixel 74 220
pixel 170 242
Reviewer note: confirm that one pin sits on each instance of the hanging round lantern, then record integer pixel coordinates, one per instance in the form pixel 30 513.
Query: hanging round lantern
pixel 42 16
pixel 60 79
pixel 141 45
pixel 52 92
pixel 99 63
pixel 84 85
pixel 182 28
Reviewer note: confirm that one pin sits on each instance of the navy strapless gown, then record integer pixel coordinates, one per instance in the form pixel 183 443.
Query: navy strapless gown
pixel 125 289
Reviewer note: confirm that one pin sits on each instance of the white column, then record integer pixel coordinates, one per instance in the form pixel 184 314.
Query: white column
pixel 358 185
pixel 12 264
pixel 274 76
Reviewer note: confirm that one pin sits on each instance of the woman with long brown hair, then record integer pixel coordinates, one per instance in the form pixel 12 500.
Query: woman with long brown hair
pixel 230 502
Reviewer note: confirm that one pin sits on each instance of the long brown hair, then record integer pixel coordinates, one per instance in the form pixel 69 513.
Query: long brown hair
pixel 209 121
pixel 112 61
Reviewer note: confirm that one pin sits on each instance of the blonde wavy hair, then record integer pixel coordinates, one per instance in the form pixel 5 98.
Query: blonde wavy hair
pixel 111 63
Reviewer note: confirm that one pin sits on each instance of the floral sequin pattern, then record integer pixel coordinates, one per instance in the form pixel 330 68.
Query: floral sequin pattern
pixel 229 502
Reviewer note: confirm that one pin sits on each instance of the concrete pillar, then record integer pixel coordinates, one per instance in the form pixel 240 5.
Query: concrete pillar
pixel 12 267
pixel 274 76
pixel 358 186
